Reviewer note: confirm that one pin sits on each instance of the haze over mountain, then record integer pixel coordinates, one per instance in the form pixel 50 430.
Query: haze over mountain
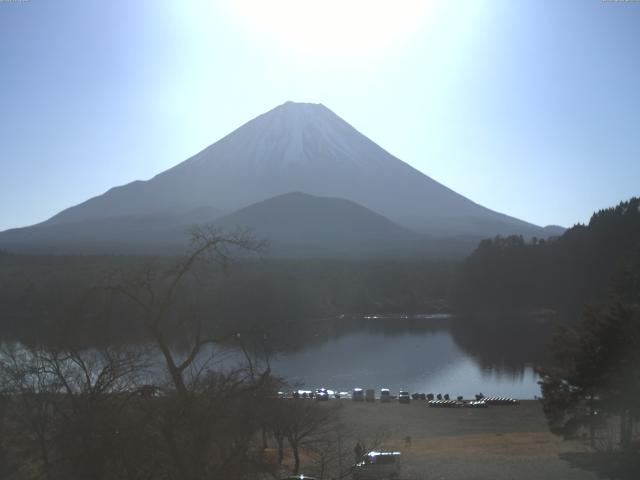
pixel 296 147
pixel 298 224
pixel 158 232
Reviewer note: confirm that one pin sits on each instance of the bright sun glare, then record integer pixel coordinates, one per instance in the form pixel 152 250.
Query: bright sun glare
pixel 331 28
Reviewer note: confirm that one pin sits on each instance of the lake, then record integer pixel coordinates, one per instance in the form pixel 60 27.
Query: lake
pixel 414 353
pixel 420 353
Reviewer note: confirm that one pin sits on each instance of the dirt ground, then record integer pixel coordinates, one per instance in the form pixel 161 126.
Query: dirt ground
pixel 499 442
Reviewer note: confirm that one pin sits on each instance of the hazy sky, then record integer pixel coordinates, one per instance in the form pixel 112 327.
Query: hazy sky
pixel 531 108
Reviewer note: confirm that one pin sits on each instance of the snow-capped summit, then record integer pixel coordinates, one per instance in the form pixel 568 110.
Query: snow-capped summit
pixel 292 133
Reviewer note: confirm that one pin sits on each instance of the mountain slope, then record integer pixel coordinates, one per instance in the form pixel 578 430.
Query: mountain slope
pixel 297 224
pixel 305 148
pixel 293 224
pixel 162 232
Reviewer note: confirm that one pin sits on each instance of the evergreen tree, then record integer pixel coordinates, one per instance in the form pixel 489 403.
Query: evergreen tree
pixel 596 369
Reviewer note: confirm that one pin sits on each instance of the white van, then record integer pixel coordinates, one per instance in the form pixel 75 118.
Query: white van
pixel 377 466
pixel 358 395
pixel 385 395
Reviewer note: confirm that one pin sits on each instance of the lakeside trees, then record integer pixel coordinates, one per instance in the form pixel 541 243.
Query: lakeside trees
pixel 507 275
pixel 162 409
pixel 40 294
pixel 594 374
pixel 591 275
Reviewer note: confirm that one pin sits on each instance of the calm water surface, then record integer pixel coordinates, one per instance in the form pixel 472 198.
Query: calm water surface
pixel 428 361
pixel 420 354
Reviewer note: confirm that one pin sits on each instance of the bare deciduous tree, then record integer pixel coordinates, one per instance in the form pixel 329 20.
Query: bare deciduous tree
pixel 155 294
pixel 207 426
pixel 66 405
pixel 305 422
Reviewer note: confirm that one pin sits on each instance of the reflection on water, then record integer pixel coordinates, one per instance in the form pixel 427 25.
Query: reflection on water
pixel 419 353
pixel 426 361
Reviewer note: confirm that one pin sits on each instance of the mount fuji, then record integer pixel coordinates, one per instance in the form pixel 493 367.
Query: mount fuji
pixel 296 147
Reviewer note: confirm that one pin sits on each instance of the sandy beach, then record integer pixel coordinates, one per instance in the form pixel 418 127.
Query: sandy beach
pixel 500 442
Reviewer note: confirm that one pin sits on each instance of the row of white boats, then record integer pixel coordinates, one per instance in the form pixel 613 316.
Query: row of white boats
pixel 369 395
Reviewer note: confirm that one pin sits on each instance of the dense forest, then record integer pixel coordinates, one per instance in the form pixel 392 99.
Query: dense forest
pixel 45 295
pixel 508 275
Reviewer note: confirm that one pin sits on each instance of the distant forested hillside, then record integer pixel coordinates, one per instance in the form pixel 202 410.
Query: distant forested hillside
pixel 43 296
pixel 508 274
